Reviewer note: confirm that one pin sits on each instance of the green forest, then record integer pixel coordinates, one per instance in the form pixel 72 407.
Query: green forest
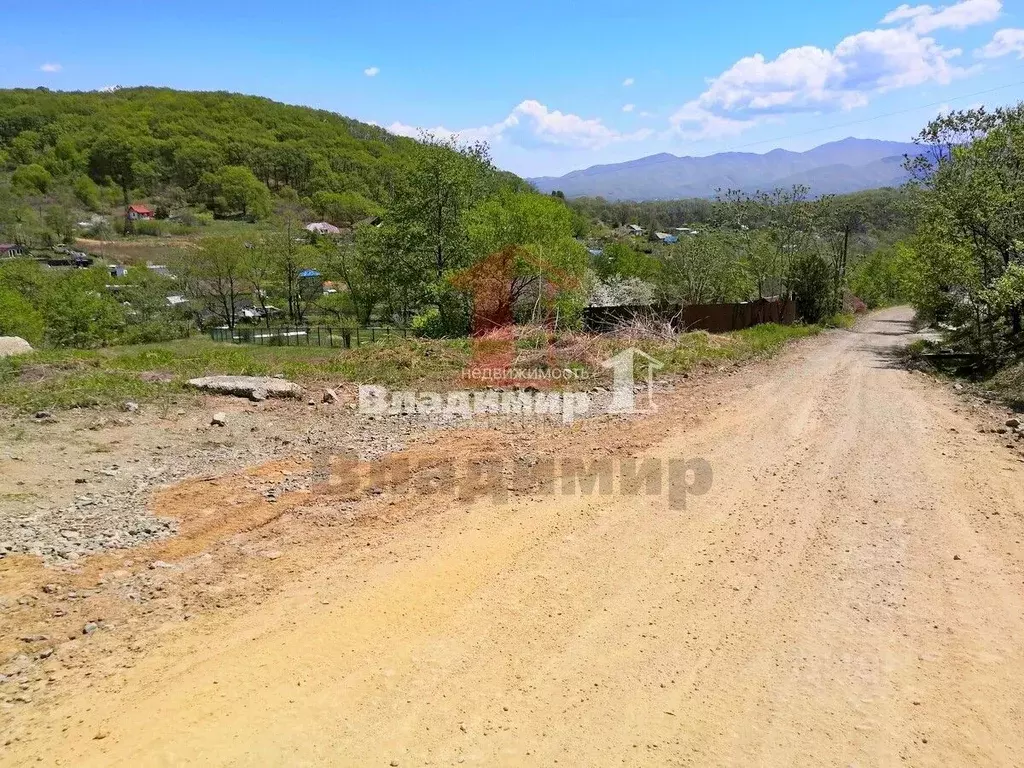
pixel 228 153
pixel 233 180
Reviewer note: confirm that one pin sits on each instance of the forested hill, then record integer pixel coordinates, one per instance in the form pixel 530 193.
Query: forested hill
pixel 152 140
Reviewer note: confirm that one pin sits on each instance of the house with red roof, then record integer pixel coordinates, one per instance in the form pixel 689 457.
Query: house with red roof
pixel 139 211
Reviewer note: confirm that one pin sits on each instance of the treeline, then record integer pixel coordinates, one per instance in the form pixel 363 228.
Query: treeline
pixel 86 307
pixel 457 227
pixel 964 267
pixel 222 152
pixel 886 212
pixel 774 244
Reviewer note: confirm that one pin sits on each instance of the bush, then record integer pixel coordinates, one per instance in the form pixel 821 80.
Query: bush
pixel 154 331
pixel 429 324
pixel 19 318
pixel 884 278
pixel 161 228
pixel 812 289
pixel 87 192
pixel 79 312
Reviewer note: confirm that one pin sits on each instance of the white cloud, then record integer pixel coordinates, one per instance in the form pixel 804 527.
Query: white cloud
pixel 923 19
pixel 51 67
pixel 532 124
pixel 628 107
pixel 1003 43
pixel 628 82
pixel 371 71
pixel 692 121
pixel 813 79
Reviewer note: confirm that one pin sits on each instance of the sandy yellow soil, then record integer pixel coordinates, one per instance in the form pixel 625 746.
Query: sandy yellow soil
pixel 849 592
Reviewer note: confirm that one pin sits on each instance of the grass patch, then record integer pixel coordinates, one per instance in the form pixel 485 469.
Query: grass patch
pixel 840 320
pixel 1008 385
pixel 707 349
pixel 156 373
pixel 61 379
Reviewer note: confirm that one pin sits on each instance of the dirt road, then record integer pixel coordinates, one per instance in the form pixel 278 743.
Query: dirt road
pixel 849 592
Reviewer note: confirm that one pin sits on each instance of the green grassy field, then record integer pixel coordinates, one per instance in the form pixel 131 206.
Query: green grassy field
pixel 156 373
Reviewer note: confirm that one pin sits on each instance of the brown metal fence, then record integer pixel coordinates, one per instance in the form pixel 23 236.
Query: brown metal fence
pixel 719 318
pixel 307 336
pixel 716 318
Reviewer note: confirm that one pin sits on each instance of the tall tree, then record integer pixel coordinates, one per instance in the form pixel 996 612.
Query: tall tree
pixel 115 157
pixel 217 277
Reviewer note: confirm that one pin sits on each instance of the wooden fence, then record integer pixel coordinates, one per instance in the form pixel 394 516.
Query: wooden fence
pixel 307 336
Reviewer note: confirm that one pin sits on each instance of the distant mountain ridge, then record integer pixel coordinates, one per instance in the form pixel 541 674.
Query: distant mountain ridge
pixel 839 167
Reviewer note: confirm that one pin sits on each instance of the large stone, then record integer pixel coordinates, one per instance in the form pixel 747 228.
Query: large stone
pixel 252 387
pixel 13 345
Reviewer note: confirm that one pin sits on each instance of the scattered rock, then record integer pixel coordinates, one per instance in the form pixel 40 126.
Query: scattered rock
pixel 253 387
pixel 13 345
pixel 220 419
pixel 131 407
pixel 90 627
pixel 331 397
pixel 956 557
pixel 273 555
pixel 159 564
pixel 1013 423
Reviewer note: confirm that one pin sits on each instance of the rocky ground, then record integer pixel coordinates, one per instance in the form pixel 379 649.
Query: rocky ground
pixel 78 483
pixel 848 589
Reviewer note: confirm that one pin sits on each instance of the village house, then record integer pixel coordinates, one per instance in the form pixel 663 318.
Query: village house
pixel 139 212
pixel 322 228
pixel 11 251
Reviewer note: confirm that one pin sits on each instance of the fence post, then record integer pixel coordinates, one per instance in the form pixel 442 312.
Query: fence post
pixel 373 335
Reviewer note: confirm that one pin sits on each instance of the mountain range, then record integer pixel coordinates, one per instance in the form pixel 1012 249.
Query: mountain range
pixel 838 167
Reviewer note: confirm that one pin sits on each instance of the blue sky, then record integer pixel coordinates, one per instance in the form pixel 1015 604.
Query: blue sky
pixel 553 85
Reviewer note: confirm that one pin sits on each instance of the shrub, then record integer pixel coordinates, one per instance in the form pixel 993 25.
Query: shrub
pixel 812 289
pixel 429 324
pixel 19 318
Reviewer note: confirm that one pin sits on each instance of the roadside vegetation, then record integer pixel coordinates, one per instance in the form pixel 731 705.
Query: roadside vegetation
pixel 962 265
pixel 157 373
